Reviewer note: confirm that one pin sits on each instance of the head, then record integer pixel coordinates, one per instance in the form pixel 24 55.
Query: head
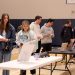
pixel 25 26
pixel 38 19
pixel 68 23
pixel 50 22
pixel 4 22
pixel 5 19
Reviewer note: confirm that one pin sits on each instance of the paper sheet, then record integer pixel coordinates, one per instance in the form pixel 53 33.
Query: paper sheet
pixel 26 52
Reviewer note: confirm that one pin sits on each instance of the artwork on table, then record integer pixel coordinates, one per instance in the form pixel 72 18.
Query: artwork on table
pixel 26 51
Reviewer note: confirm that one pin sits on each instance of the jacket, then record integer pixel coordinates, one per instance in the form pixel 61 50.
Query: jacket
pixel 66 34
pixel 9 35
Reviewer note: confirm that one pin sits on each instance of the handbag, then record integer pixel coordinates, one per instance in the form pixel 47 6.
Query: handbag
pixel 6 47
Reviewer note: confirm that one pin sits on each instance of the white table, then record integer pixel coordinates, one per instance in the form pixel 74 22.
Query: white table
pixel 31 64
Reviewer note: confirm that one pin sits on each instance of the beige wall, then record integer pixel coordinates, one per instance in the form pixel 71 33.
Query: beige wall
pixel 21 9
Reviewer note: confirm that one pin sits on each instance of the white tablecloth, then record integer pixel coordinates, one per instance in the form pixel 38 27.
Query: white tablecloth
pixel 33 63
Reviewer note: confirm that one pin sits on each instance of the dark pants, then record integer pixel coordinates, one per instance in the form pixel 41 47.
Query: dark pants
pixel 39 47
pixel 46 47
pixel 23 72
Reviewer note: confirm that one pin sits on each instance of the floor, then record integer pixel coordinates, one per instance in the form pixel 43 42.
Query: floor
pixel 15 53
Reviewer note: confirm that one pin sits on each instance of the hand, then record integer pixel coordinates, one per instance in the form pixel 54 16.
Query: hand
pixel 21 44
pixel 72 40
pixel 50 35
pixel 3 40
pixel 47 35
pixel 38 37
pixel 49 32
pixel 6 40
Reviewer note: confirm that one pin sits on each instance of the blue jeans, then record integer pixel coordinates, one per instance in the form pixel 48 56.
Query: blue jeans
pixel 4 56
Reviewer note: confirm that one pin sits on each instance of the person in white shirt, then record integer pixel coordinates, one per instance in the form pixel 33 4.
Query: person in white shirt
pixel 23 36
pixel 48 34
pixel 35 26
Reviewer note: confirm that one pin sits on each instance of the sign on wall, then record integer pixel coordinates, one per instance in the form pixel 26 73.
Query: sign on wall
pixel 70 1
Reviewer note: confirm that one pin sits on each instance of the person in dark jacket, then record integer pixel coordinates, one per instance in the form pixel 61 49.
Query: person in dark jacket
pixel 67 33
pixel 7 32
pixel 66 36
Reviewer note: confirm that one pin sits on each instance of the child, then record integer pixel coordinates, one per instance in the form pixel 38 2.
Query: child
pixel 23 36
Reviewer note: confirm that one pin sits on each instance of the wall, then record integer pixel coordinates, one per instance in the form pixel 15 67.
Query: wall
pixel 28 9
pixel 20 9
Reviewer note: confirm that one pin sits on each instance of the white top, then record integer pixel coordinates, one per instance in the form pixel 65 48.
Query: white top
pixel 32 64
pixel 24 37
pixel 36 28
pixel 1 37
pixel 4 34
pixel 26 51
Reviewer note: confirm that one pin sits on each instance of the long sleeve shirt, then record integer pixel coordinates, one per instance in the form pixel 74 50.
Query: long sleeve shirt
pixel 36 28
pixel 24 37
pixel 48 34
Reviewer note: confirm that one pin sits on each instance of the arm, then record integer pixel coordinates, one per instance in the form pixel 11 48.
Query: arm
pixel 31 27
pixel 33 36
pixel 43 32
pixel 18 38
pixel 52 33
pixel 34 40
pixel 13 36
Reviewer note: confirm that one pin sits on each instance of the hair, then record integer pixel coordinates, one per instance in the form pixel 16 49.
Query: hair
pixel 37 17
pixel 67 21
pixel 27 23
pixel 2 23
pixel 50 20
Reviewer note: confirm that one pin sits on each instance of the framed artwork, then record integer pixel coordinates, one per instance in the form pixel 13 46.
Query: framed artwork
pixel 70 1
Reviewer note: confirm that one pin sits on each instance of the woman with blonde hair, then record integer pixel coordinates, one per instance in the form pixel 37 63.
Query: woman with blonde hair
pixel 23 36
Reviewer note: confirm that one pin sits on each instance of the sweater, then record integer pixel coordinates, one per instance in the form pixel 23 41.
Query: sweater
pixel 48 34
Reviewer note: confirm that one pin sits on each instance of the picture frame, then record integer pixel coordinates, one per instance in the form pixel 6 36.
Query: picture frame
pixel 70 1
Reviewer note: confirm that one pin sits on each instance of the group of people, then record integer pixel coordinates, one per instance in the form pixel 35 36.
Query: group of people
pixel 33 32
pixel 29 32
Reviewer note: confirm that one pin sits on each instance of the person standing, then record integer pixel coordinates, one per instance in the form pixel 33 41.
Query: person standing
pixel 66 35
pixel 48 34
pixel 7 31
pixel 35 26
pixel 23 36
